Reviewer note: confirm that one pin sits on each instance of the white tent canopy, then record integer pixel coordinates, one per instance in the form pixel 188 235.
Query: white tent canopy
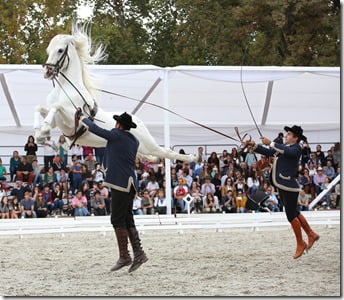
pixel 278 96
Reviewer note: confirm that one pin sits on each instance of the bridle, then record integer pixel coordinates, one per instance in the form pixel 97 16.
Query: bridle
pixel 55 71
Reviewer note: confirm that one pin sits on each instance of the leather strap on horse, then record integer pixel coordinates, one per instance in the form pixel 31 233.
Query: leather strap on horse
pixel 79 132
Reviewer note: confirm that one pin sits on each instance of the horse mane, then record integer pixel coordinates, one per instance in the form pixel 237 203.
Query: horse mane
pixel 83 45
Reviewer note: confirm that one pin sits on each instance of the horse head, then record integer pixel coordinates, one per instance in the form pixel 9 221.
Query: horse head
pixel 76 47
pixel 58 55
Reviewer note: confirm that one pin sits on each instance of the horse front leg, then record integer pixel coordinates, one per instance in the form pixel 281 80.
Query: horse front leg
pixel 40 111
pixel 43 130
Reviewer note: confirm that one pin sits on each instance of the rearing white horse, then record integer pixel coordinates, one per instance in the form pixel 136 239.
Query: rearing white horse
pixel 67 55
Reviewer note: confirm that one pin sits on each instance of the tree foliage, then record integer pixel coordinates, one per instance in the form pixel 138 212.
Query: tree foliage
pixel 181 32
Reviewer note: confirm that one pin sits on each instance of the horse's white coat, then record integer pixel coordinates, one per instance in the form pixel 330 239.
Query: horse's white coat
pixel 60 110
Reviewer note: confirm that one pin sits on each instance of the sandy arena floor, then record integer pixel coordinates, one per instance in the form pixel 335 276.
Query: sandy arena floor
pixel 235 262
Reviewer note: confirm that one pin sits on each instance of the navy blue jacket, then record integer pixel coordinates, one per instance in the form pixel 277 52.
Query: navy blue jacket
pixel 119 157
pixel 285 164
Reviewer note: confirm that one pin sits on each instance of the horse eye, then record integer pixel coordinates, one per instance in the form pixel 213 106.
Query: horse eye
pixel 60 50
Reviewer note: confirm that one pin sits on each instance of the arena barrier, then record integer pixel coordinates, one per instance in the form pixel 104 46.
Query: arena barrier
pixel 216 222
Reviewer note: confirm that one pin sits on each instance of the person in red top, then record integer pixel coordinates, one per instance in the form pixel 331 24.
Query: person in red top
pixel 86 150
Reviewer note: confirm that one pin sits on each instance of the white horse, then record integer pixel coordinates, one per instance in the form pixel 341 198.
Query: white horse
pixel 67 56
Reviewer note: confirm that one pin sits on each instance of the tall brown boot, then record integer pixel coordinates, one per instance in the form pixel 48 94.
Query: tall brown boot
pixel 312 236
pixel 124 257
pixel 139 255
pixel 301 245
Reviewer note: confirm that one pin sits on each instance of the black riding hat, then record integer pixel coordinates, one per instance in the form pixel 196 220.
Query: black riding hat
pixel 125 119
pixel 297 130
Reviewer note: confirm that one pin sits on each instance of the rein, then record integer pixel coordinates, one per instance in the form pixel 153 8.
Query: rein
pixel 239 139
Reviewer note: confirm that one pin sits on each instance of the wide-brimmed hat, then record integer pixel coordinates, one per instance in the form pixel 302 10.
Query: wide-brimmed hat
pixel 297 130
pixel 125 119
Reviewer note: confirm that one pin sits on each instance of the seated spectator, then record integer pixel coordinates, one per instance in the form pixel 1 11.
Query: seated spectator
pixel 98 204
pixel 152 186
pixel 3 171
pixel 240 202
pixel 213 161
pixel 24 171
pixel 318 180
pixel 98 174
pixel 207 186
pixel 179 192
pixel 210 203
pixel 41 207
pixel 272 201
pixel 76 151
pixel 4 208
pixel 50 177
pixel 336 155
pixel 320 156
pixel 160 204
pixel 86 191
pixel 104 192
pixel 37 170
pixel 327 197
pixel 87 150
pixel 262 163
pixel 48 199
pixel 57 195
pixel 186 173
pixel 63 181
pixel 14 163
pixel 3 190
pixel 240 184
pixel 312 169
pixel 252 184
pixel 79 203
pixel 27 206
pixel 137 206
pixel 15 208
pixel 225 188
pixel 306 182
pixel 195 192
pixel 144 181
pixel 19 190
pixel 250 157
pixel 303 200
pixel 147 203
pixel 86 175
pixel 58 165
pixel 35 192
pixel 329 171
pixel 305 154
pixel 228 205
pixel 90 162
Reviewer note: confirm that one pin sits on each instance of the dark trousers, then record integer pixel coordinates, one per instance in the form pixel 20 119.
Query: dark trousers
pixel 122 208
pixel 289 201
pixel 48 162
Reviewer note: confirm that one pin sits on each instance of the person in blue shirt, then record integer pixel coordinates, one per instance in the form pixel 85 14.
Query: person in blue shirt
pixel 284 178
pixel 119 162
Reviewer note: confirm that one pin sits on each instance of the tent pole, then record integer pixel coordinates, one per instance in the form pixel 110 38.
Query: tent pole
pixel 167 141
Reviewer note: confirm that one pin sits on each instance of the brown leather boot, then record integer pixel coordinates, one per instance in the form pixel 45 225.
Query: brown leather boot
pixel 301 245
pixel 139 255
pixel 312 236
pixel 124 257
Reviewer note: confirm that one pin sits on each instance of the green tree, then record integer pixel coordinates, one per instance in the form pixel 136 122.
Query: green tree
pixel 27 26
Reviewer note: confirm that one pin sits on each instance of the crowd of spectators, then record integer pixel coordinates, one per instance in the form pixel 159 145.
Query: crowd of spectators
pixel 71 182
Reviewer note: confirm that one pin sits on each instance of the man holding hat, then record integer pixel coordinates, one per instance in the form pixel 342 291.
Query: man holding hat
pixel 119 161
pixel 284 175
